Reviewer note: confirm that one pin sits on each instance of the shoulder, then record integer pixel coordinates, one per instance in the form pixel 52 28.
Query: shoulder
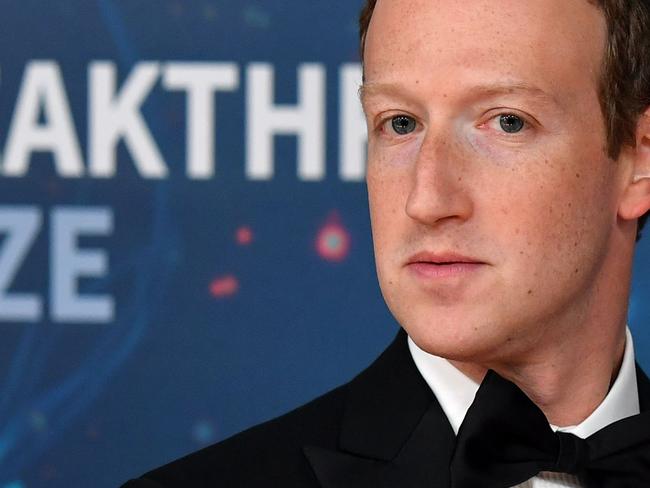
pixel 269 454
pixel 366 416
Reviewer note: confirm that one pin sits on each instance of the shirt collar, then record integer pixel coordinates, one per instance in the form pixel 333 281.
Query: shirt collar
pixel 455 391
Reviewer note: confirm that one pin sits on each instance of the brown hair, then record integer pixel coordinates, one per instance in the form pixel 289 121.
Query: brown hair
pixel 625 78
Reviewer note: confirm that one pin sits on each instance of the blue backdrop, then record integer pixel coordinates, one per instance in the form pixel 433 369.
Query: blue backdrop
pixel 185 248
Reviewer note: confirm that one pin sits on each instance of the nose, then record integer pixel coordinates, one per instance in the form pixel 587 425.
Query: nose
pixel 439 190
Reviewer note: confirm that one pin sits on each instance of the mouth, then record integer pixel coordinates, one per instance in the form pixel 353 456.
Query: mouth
pixel 442 259
pixel 443 265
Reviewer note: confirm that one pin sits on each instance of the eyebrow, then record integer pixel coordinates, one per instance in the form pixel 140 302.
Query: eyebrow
pixel 506 88
pixel 488 89
pixel 373 89
pixel 369 89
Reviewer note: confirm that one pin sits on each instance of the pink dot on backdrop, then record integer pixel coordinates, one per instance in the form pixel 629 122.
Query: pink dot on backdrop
pixel 244 235
pixel 333 240
pixel 224 286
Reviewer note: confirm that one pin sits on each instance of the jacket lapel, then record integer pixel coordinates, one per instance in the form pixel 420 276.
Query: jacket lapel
pixel 393 431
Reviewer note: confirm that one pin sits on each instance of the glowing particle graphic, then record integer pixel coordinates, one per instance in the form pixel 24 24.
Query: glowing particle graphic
pixel 14 484
pixel 224 286
pixel 333 240
pixel 203 432
pixel 244 235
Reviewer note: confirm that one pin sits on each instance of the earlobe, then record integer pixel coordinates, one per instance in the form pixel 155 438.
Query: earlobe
pixel 636 201
pixel 636 198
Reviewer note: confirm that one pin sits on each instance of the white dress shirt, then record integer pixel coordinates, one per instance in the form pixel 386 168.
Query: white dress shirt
pixel 455 393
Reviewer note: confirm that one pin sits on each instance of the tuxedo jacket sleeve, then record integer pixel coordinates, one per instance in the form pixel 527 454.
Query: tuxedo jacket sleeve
pixel 383 429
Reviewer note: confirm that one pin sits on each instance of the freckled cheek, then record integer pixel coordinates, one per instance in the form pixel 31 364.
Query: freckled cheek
pixel 479 146
pixel 384 155
pixel 389 173
pixel 498 153
pixel 577 192
pixel 553 224
pixel 518 190
pixel 389 179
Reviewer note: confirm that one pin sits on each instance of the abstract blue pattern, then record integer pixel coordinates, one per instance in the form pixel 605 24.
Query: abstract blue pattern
pixel 235 299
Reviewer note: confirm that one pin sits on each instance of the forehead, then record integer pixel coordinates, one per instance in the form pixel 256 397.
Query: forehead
pixel 552 42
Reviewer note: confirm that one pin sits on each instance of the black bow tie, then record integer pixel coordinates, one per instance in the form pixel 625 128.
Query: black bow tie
pixel 505 440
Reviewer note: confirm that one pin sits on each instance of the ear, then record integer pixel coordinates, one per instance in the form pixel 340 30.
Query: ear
pixel 635 200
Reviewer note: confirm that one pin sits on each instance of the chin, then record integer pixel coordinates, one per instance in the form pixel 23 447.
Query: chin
pixel 473 341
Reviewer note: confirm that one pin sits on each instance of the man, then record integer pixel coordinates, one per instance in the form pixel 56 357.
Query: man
pixel 508 164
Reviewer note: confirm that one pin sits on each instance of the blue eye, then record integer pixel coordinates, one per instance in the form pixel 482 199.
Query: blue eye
pixel 511 123
pixel 403 124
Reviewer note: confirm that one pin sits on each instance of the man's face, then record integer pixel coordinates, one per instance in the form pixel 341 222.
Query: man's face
pixel 492 200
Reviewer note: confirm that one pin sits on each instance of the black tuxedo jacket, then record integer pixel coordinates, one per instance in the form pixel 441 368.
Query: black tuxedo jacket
pixel 383 429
